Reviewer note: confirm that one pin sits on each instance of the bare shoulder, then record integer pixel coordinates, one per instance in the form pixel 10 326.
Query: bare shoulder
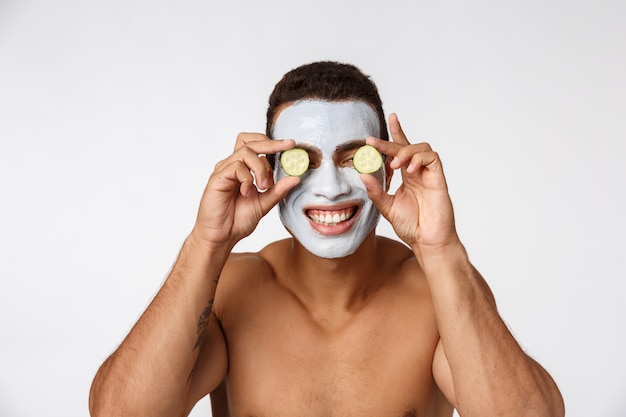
pixel 245 274
pixel 242 264
pixel 393 250
pixel 398 258
pixel 244 269
pixel 260 264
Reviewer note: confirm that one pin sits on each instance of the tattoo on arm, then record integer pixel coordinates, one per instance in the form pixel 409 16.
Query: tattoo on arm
pixel 203 321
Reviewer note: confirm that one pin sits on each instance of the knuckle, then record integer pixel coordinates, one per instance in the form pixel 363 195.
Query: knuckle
pixel 238 164
pixel 219 165
pixel 240 141
pixel 243 138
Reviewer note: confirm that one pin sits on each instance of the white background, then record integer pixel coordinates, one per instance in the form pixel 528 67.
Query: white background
pixel 113 114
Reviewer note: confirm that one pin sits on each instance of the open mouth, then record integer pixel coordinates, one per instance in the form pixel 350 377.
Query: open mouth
pixel 331 217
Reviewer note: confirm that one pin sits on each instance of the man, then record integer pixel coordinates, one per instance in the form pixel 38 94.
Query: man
pixel 335 321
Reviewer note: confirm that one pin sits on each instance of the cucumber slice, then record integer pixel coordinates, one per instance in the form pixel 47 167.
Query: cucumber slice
pixel 295 161
pixel 367 159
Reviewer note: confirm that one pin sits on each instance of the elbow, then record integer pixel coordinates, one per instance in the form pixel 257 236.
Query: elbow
pixel 97 402
pixel 550 401
pixel 105 395
pixel 548 398
pixel 553 407
pixel 96 408
pixel 553 398
pixel 112 395
pixel 556 404
pixel 105 403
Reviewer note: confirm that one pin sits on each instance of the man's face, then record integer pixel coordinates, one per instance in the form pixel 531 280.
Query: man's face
pixel 329 212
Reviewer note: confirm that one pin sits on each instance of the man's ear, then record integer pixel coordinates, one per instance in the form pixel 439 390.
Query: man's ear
pixel 388 172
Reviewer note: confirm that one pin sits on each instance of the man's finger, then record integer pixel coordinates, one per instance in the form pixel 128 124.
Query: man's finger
pixel 429 160
pixel 397 134
pixel 401 154
pixel 265 147
pixel 377 194
pixel 276 193
pixel 383 146
pixel 244 138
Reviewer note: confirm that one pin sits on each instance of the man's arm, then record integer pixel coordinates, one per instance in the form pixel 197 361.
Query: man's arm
pixel 478 364
pixel 176 352
pixel 151 373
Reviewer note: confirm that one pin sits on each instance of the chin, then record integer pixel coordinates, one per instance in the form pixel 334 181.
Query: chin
pixel 334 246
pixel 333 254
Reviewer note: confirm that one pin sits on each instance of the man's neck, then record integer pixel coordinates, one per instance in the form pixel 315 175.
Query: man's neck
pixel 334 287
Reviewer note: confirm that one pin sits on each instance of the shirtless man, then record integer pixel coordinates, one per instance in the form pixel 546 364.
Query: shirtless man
pixel 334 321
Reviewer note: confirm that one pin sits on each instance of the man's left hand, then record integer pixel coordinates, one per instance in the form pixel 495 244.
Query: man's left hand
pixel 421 210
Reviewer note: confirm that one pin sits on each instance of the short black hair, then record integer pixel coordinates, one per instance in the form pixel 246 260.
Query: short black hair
pixel 325 80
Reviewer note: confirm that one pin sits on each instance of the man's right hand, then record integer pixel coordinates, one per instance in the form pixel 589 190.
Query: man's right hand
pixel 241 191
pixel 177 346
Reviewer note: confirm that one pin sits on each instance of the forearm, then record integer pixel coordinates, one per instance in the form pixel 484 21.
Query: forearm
pixel 491 373
pixel 149 372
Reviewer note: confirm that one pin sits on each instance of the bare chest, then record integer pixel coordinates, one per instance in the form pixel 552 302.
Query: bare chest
pixel 281 363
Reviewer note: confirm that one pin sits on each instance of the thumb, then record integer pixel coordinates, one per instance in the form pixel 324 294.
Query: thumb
pixel 377 194
pixel 274 194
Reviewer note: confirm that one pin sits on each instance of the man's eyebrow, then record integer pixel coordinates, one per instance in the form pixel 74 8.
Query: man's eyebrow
pixel 350 146
pixel 312 150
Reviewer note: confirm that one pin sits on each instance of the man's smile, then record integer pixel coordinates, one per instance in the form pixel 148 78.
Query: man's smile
pixel 333 221
pixel 331 217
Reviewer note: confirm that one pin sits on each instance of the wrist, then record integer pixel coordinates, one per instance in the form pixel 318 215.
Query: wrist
pixel 199 250
pixel 450 275
pixel 438 258
pixel 199 243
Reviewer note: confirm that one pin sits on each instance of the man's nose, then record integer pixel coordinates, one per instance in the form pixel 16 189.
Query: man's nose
pixel 328 181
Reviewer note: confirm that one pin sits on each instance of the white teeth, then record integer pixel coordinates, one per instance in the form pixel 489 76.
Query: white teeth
pixel 330 219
